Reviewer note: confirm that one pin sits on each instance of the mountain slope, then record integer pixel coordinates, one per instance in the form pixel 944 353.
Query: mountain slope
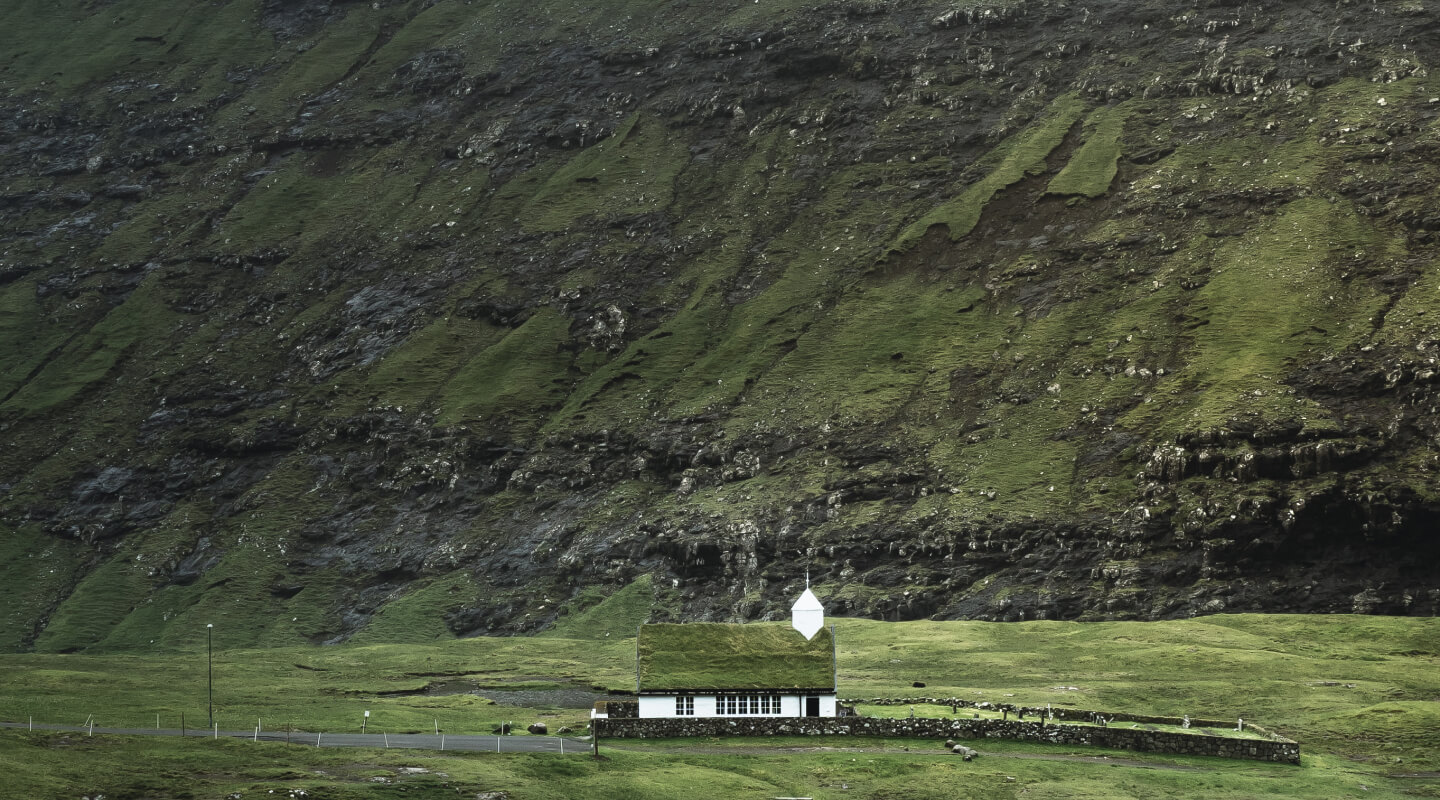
pixel 322 315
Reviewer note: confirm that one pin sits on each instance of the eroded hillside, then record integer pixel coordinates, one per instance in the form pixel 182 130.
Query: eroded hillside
pixel 429 318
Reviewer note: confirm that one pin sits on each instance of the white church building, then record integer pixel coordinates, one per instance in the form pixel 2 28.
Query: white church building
pixel 752 670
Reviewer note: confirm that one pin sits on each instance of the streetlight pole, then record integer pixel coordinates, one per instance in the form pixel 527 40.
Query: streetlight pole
pixel 210 670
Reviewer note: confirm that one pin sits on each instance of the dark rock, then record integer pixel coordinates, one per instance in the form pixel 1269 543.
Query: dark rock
pixel 125 191
pixel 238 339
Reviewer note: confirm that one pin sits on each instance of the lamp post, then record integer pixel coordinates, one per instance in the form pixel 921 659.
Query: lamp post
pixel 210 670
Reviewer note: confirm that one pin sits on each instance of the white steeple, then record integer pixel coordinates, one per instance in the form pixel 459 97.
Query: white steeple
pixel 807 615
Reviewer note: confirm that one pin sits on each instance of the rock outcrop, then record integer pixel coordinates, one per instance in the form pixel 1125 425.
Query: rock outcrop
pixel 327 316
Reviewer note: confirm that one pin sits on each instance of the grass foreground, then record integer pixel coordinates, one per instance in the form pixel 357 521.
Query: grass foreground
pixel 1359 693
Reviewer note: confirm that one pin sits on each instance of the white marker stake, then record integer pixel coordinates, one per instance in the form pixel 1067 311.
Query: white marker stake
pixel 387 740
pixel 217 730
pixel 317 740
pixel 442 742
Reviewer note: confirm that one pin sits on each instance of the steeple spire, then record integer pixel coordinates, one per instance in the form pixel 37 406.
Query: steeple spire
pixel 807 615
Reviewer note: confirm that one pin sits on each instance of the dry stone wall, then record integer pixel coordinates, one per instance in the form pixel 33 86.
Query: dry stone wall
pixel 619 709
pixel 1283 751
pixel 1054 713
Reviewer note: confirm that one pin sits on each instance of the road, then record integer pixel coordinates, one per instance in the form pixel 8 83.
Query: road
pixel 393 741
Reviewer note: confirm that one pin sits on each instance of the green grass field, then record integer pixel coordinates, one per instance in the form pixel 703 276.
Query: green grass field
pixel 1359 693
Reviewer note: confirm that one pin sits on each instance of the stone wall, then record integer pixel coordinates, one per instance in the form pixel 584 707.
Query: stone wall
pixel 1284 751
pixel 1034 712
pixel 1063 714
pixel 619 709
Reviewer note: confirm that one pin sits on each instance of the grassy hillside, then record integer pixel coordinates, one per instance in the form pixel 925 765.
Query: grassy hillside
pixel 318 317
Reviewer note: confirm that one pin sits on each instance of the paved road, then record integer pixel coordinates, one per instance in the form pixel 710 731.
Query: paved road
pixel 410 741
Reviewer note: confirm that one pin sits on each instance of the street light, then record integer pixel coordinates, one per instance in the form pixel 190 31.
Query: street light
pixel 210 670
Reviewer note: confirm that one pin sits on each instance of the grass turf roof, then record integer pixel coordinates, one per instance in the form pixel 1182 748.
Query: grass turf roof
pixel 715 656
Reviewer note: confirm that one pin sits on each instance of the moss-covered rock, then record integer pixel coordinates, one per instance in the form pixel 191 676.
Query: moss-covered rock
pixel 439 318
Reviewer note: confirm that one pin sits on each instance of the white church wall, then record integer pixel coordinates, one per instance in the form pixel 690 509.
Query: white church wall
pixel 827 705
pixel 705 705
pixel 791 705
pixel 655 706
pixel 663 706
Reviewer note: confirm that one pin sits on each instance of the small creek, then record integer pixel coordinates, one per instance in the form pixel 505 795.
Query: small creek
pixel 560 697
pixel 542 698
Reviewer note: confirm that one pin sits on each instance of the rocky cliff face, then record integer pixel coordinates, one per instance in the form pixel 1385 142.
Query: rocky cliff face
pixel 325 319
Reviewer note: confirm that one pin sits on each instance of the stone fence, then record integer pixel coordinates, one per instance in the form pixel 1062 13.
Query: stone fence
pixel 1284 751
pixel 1065 714
pixel 1056 712
pixel 619 709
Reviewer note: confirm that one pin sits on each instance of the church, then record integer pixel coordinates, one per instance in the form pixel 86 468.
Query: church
pixel 753 670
